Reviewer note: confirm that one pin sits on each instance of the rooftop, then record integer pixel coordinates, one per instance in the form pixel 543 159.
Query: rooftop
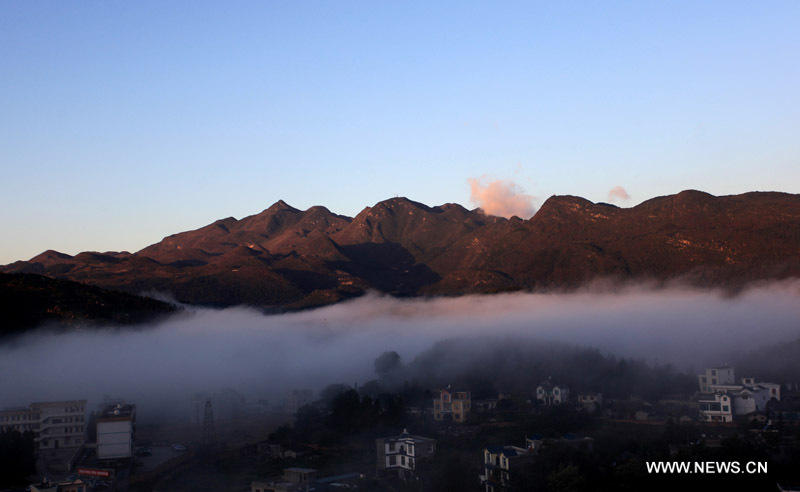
pixel 116 411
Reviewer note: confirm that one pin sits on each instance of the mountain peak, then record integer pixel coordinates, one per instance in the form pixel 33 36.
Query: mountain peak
pixel 562 204
pixel 281 205
pixel 50 254
pixel 401 202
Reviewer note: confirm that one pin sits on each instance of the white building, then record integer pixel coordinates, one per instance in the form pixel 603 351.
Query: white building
pixel 399 454
pixel 55 424
pixel 552 394
pixel 500 463
pixel 750 399
pixel 773 388
pixel 116 431
pixel 715 376
pixel 749 396
pixel 718 408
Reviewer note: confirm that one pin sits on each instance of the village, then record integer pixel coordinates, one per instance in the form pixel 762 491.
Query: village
pixel 553 438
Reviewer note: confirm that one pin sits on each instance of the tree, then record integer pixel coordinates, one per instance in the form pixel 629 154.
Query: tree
pixel 386 363
pixel 566 479
pixel 17 457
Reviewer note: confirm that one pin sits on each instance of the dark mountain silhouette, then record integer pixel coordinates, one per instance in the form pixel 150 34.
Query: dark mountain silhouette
pixel 289 258
pixel 28 300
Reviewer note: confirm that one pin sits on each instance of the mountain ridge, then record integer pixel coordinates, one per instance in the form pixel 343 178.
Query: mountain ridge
pixel 287 258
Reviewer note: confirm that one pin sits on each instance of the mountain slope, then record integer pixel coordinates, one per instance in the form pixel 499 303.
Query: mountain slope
pixel 28 300
pixel 285 257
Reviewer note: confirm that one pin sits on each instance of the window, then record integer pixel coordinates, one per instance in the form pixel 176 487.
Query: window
pixel 555 391
pixel 713 381
pixel 391 447
pixel 403 460
pixel 392 460
pixel 704 379
pixel 713 373
pixel 725 408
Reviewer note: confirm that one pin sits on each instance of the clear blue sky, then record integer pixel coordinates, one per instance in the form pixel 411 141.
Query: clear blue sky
pixel 122 122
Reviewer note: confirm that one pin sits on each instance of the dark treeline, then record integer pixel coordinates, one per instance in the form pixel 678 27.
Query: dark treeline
pixel 488 365
pixel 17 458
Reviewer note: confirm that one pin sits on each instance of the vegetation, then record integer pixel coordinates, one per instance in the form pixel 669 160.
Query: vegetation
pixel 17 459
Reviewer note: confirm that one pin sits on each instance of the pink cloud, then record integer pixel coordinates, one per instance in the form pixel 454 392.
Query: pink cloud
pixel 618 193
pixel 501 198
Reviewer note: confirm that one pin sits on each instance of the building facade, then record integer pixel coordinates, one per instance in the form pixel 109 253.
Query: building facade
pixel 55 424
pixel 499 465
pixel 590 401
pixel 399 454
pixel 717 408
pixel 550 394
pixel 722 398
pixel 715 376
pixel 452 404
pixel 116 431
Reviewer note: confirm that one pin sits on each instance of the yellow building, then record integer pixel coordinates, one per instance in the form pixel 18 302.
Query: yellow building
pixel 453 405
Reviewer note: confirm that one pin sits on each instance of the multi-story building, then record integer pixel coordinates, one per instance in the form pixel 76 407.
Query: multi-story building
pixel 499 465
pixel 116 431
pixel 715 376
pixel 55 424
pixel 452 404
pixel 720 392
pixel 399 454
pixel 717 408
pixel 549 394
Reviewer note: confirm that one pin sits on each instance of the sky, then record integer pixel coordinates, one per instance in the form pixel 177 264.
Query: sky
pixel 124 122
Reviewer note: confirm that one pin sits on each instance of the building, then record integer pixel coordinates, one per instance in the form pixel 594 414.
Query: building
pixel 537 442
pixel 293 479
pixel 590 401
pixel 500 463
pixel 550 394
pixel 715 376
pixel 718 408
pixel 399 454
pixel 773 388
pixel 720 391
pixel 77 485
pixel 55 424
pixel 307 479
pixel 116 431
pixel 454 405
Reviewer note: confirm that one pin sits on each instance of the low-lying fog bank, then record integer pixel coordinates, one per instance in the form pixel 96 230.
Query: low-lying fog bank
pixel 265 356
